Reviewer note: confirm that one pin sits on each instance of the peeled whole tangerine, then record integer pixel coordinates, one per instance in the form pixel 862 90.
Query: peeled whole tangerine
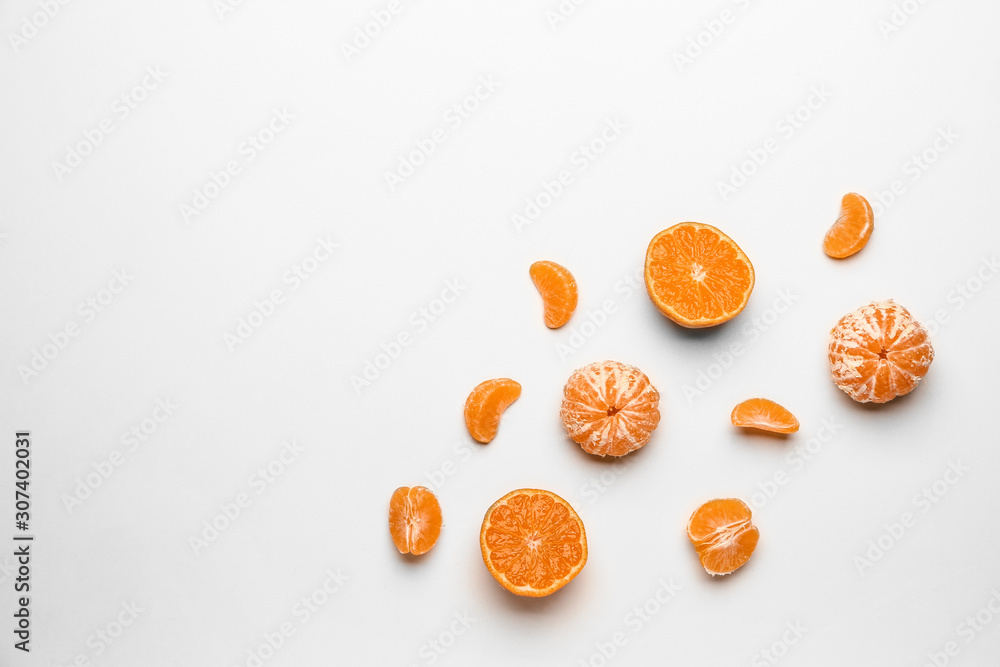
pixel 879 352
pixel 610 408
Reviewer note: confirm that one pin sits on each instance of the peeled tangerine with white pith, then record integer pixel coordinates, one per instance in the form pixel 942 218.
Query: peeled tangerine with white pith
pixel 879 352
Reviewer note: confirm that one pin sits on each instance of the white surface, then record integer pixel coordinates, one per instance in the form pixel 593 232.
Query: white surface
pixel 163 336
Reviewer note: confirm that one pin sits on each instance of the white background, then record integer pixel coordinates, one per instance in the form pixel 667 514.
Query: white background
pixel 686 128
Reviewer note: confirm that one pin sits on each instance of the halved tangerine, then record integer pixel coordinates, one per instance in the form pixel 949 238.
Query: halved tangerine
pixel 486 404
pixel 765 415
pixel 723 535
pixel 879 352
pixel 697 276
pixel 851 231
pixel 610 408
pixel 414 519
pixel 533 542
pixel 558 289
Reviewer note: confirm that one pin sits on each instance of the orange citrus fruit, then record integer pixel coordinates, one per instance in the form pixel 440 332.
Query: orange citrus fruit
pixel 764 414
pixel 722 534
pixel 558 289
pixel 852 229
pixel 414 519
pixel 697 276
pixel 879 352
pixel 609 408
pixel 533 542
pixel 486 404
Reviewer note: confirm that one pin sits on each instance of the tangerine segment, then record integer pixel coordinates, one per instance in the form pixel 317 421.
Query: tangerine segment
pixel 414 519
pixel 609 408
pixel 533 542
pixel 879 352
pixel 851 231
pixel 486 404
pixel 697 276
pixel 558 289
pixel 764 414
pixel 723 535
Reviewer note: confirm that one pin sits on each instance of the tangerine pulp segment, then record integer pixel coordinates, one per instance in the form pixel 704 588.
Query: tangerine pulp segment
pixel 765 415
pixel 414 519
pixel 486 404
pixel 723 535
pixel 851 231
pixel 558 289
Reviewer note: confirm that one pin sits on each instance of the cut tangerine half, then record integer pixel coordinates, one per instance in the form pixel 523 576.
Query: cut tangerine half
pixel 723 535
pixel 609 408
pixel 765 415
pixel 879 352
pixel 533 542
pixel 558 289
pixel 851 231
pixel 486 404
pixel 414 519
pixel 697 276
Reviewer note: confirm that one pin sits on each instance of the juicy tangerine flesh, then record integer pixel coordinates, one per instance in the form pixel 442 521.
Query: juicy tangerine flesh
pixel 765 415
pixel 609 408
pixel 485 406
pixel 723 535
pixel 557 287
pixel 533 542
pixel 879 352
pixel 414 519
pixel 697 276
pixel 851 231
